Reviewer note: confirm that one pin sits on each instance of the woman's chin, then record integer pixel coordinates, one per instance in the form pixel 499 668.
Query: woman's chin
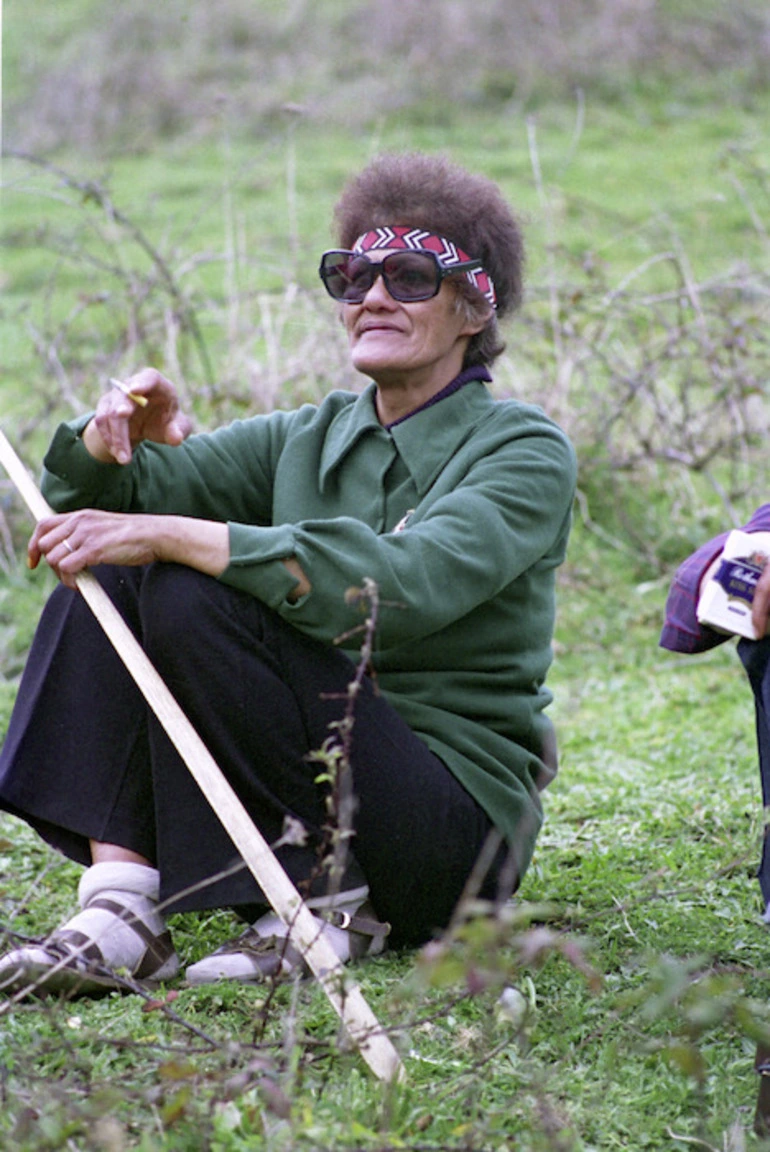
pixel 376 366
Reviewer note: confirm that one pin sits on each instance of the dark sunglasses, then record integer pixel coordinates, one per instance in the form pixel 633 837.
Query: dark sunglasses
pixel 408 276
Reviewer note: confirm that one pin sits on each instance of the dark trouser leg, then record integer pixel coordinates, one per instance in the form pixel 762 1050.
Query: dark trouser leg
pixel 263 696
pixel 74 759
pixel 756 660
pixel 257 691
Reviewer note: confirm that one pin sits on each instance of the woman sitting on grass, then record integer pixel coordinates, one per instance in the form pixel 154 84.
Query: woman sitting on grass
pixel 230 554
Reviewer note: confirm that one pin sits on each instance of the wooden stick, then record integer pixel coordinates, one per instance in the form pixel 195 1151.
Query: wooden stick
pixel 344 994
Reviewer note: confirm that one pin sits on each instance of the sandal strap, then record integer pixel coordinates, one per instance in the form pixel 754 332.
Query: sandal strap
pixel 363 928
pixel 360 925
pixel 77 949
pixel 158 950
pixel 273 955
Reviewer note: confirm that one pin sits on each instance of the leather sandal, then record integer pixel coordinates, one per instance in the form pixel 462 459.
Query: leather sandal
pixel 69 962
pixel 264 952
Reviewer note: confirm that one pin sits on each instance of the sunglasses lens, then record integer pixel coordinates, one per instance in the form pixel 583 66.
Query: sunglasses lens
pixel 408 276
pixel 411 276
pixel 347 276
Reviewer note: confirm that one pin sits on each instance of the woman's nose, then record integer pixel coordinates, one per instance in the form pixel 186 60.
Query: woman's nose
pixel 378 294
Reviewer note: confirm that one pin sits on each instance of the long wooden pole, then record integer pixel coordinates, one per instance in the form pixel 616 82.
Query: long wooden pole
pixel 344 994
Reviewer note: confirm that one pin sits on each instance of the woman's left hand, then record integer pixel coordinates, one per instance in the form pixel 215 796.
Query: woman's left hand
pixel 144 407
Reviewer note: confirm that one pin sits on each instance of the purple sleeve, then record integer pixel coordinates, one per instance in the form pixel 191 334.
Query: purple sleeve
pixel 681 631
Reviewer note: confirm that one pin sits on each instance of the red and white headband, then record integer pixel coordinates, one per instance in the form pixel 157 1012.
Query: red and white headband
pixel 418 240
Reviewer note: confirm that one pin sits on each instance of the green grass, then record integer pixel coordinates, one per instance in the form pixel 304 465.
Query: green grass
pixel 646 863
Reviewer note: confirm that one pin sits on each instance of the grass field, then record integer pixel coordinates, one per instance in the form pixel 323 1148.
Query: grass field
pixel 636 940
pixel 643 871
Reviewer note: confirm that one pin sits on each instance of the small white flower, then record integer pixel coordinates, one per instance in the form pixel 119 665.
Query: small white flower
pixel 512 1007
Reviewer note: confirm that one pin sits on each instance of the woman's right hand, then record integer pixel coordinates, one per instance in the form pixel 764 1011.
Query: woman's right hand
pixel 120 423
pixel 72 541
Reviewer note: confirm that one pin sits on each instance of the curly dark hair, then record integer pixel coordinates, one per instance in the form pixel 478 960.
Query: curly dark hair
pixel 416 190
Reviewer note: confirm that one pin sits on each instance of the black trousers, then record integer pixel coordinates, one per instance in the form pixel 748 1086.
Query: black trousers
pixel 84 757
pixel 755 655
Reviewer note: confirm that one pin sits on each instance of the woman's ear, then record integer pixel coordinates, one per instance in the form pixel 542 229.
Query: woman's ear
pixel 476 314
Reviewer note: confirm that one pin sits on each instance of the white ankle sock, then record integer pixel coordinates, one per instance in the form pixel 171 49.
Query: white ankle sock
pixel 135 887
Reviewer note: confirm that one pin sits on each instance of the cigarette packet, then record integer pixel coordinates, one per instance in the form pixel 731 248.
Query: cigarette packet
pixel 725 602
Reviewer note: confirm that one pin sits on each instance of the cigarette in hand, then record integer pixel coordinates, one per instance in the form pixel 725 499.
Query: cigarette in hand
pixel 142 401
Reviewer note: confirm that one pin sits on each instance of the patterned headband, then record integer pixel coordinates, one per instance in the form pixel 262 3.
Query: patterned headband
pixel 418 240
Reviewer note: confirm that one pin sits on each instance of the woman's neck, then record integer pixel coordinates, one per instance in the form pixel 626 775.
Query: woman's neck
pixel 396 398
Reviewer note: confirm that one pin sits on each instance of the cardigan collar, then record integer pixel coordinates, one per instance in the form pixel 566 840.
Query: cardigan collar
pixel 425 439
